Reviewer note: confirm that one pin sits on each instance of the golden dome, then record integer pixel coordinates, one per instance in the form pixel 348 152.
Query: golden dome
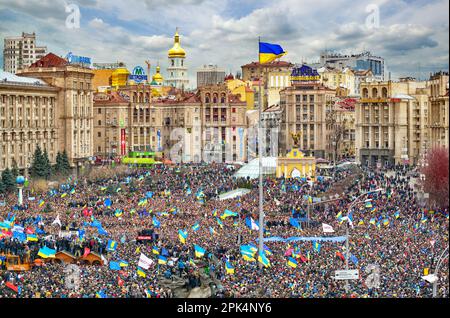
pixel 158 77
pixel 177 50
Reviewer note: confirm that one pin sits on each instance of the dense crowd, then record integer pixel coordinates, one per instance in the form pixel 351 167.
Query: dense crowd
pixel 395 232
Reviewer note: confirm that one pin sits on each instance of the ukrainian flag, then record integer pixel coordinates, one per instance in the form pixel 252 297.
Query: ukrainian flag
pixel 46 252
pixel 111 246
pixel 361 222
pixel 162 260
pixel 199 252
pixel 316 246
pixel 386 222
pixel 372 221
pixel 32 238
pixel 118 213
pixel 72 191
pixel 292 262
pixel 267 250
pixel 182 235
pixel 397 214
pixel 123 263
pixel 215 212
pixel 141 272
pixel 229 268
pixel 211 231
pixel 195 227
pixel 269 52
pixel 263 260
pixel 368 204
pixel 339 215
pixel 155 250
pixel 220 223
pixel 41 203
pixel 228 213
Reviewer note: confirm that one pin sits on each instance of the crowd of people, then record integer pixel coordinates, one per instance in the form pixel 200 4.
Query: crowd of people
pixel 390 230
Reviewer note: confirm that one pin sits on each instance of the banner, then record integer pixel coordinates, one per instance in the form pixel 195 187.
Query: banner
pixel 144 261
pixel 305 239
pixel 123 145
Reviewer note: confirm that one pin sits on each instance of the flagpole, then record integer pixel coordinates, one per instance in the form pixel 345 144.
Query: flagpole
pixel 261 194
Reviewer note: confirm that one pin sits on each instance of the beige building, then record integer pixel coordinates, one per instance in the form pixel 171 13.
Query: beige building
pixel 21 51
pixel 304 109
pixel 338 79
pixel 345 127
pixel 438 110
pixel 28 108
pixel 208 124
pixel 74 111
pixel 391 122
pixel 111 120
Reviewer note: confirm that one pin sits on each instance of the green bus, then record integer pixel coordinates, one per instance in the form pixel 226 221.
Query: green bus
pixel 141 158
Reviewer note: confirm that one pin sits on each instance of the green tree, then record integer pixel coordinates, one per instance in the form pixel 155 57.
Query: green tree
pixel 2 187
pixel 47 165
pixel 58 165
pixel 8 181
pixel 15 169
pixel 65 165
pixel 38 165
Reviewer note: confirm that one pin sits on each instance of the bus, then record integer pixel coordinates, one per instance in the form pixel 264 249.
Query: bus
pixel 142 158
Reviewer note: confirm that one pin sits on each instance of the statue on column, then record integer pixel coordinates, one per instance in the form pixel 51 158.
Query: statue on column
pixel 296 138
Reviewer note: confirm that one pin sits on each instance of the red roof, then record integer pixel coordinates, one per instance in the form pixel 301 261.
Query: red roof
pixel 273 64
pixel 50 60
pixel 229 77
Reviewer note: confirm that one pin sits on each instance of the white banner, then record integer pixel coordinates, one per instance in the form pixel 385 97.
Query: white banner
pixel 144 261
pixel 327 228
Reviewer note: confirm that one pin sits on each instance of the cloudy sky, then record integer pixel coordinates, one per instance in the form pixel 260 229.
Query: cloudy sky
pixel 412 35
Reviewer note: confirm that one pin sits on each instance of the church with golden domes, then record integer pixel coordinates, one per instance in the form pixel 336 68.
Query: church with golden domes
pixel 177 71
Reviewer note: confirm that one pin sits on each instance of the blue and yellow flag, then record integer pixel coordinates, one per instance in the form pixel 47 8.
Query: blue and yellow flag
pixel 111 246
pixel 41 203
pixel 292 262
pixel 229 268
pixel 199 251
pixel 141 272
pixel 316 246
pixel 228 213
pixel 162 260
pixel 195 227
pixel 263 260
pixel 155 250
pixel 182 235
pixel 211 231
pixel 32 238
pixel 118 212
pixel 269 52
pixel 123 263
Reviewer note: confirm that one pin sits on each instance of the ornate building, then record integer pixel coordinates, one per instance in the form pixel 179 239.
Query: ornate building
pixel 28 108
pixel 177 71
pixel 438 112
pixel 74 113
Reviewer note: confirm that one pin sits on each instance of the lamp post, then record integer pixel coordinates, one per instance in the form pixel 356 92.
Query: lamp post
pixel 347 234
pixel 439 262
pixel 20 180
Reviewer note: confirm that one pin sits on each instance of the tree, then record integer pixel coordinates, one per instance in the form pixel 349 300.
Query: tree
pixel 58 165
pixel 38 165
pixel 15 169
pixel 65 165
pixel 47 165
pixel 8 181
pixel 436 177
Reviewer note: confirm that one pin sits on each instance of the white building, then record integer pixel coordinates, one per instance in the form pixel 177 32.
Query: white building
pixel 177 71
pixel 20 52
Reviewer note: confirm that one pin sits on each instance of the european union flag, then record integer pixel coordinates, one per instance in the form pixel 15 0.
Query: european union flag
pixel 107 202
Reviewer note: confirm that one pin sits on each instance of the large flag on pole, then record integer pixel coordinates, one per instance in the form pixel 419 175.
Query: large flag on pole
pixel 269 52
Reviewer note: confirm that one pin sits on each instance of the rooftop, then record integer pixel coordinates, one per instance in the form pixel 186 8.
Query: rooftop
pixel 273 64
pixel 50 60
pixel 6 77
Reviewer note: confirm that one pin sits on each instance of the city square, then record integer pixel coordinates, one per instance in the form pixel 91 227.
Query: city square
pixel 267 173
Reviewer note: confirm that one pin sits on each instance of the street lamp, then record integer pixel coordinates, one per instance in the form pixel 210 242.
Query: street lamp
pixel 347 235
pixel 436 272
pixel 20 180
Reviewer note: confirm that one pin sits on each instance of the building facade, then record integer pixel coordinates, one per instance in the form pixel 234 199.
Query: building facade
pixel 210 75
pixel 305 105
pixel 74 111
pixel 391 122
pixel 20 52
pixel 438 111
pixel 177 71
pixel 28 108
